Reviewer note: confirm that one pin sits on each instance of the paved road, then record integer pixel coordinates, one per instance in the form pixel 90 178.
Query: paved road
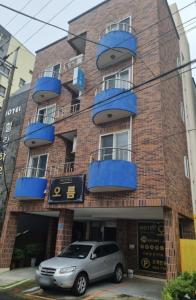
pixel 4 296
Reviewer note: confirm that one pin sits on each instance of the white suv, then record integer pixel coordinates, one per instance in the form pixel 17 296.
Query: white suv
pixel 80 264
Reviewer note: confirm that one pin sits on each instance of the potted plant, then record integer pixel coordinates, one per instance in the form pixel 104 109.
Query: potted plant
pixel 33 251
pixel 18 258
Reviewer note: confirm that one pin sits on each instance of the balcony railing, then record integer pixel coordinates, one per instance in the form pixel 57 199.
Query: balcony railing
pixel 59 112
pixel 112 83
pixel 53 171
pixel 32 172
pixel 74 62
pixel 110 153
pixel 52 74
pixel 119 26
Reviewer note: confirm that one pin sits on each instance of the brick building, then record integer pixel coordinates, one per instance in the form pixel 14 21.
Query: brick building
pixel 116 170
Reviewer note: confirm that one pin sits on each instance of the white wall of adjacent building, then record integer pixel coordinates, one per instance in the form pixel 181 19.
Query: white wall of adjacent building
pixel 189 103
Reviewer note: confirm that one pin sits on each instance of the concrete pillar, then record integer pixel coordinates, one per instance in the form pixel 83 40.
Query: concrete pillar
pixel 64 230
pixel 172 242
pixel 8 239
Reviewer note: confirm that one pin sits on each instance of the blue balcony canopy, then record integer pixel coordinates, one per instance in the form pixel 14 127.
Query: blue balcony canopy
pixel 120 104
pixel 31 188
pixel 46 88
pixel 39 134
pixel 111 176
pixel 115 47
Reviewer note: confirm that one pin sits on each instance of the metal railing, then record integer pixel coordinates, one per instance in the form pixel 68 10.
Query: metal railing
pixel 32 172
pixel 74 62
pixel 59 112
pixel 118 26
pixel 52 74
pixel 53 171
pixel 110 153
pixel 114 83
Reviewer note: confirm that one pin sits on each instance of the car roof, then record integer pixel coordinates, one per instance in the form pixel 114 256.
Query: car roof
pixel 94 243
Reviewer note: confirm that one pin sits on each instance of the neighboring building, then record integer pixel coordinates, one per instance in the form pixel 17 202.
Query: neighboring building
pixel 188 106
pixel 115 171
pixel 25 63
pixel 12 130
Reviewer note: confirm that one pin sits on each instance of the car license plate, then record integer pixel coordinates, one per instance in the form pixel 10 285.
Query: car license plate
pixel 45 281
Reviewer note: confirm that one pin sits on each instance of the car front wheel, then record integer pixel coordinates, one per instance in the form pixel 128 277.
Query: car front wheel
pixel 80 285
pixel 118 274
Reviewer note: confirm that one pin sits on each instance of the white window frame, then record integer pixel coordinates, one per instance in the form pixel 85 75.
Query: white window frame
pixel 52 71
pixel 30 160
pixel 186 167
pixel 45 107
pixel 1 94
pixel 118 22
pixel 114 134
pixel 130 76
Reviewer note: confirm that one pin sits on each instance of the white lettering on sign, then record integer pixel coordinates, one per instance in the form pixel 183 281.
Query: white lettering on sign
pixel 8 127
pixel 13 111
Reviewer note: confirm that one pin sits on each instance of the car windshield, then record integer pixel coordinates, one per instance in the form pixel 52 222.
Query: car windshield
pixel 76 251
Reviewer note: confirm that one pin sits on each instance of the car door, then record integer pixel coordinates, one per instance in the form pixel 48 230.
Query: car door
pixel 97 266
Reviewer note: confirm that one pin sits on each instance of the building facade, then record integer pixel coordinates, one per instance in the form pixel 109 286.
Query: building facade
pixel 25 63
pixel 12 130
pixel 189 102
pixel 111 166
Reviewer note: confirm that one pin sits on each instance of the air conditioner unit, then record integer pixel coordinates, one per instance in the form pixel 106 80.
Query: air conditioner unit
pixel 75 61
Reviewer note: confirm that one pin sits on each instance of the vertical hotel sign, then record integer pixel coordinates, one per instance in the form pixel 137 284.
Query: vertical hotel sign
pixel 151 247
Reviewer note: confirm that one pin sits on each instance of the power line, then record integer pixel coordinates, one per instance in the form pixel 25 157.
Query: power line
pixel 121 93
pixel 22 8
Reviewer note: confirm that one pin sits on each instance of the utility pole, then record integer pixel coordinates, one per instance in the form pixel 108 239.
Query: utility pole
pixel 2 121
pixel 5 102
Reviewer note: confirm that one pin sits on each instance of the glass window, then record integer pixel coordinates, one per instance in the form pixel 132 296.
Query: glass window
pixel 37 166
pixel 4 70
pixel 2 90
pixel 115 146
pixel 46 115
pixel 76 251
pixel 21 82
pixel 52 71
pixel 119 80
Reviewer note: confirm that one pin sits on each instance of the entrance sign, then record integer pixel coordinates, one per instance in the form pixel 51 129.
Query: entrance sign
pixel 151 247
pixel 67 189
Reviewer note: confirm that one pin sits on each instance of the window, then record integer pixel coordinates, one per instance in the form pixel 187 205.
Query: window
pixel 182 111
pixel 21 82
pixel 119 80
pixel 115 146
pixel 4 70
pixel 124 25
pixel 186 167
pixel 46 115
pixel 37 166
pixel 52 71
pixel 2 90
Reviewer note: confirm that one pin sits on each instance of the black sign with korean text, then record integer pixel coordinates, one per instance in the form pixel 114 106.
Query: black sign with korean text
pixel 67 189
pixel 151 247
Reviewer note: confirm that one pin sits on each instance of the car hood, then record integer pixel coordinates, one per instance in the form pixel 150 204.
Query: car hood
pixel 61 262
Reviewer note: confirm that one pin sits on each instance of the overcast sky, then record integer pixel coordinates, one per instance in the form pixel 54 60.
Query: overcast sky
pixel 66 10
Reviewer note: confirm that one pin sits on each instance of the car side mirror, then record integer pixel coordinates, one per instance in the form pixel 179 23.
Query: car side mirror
pixel 93 256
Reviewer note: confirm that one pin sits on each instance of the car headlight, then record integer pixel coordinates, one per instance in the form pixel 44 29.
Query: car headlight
pixel 67 270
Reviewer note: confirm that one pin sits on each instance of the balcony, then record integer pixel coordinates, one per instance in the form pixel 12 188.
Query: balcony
pixel 29 186
pixel 110 170
pixel 117 44
pixel 39 133
pixel 114 101
pixel 46 88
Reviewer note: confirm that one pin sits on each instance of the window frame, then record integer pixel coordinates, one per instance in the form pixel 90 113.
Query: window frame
pixel 45 107
pixel 186 167
pixel 130 76
pixel 29 164
pixel 114 134
pixel 120 21
pixel 1 94
pixel 52 72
